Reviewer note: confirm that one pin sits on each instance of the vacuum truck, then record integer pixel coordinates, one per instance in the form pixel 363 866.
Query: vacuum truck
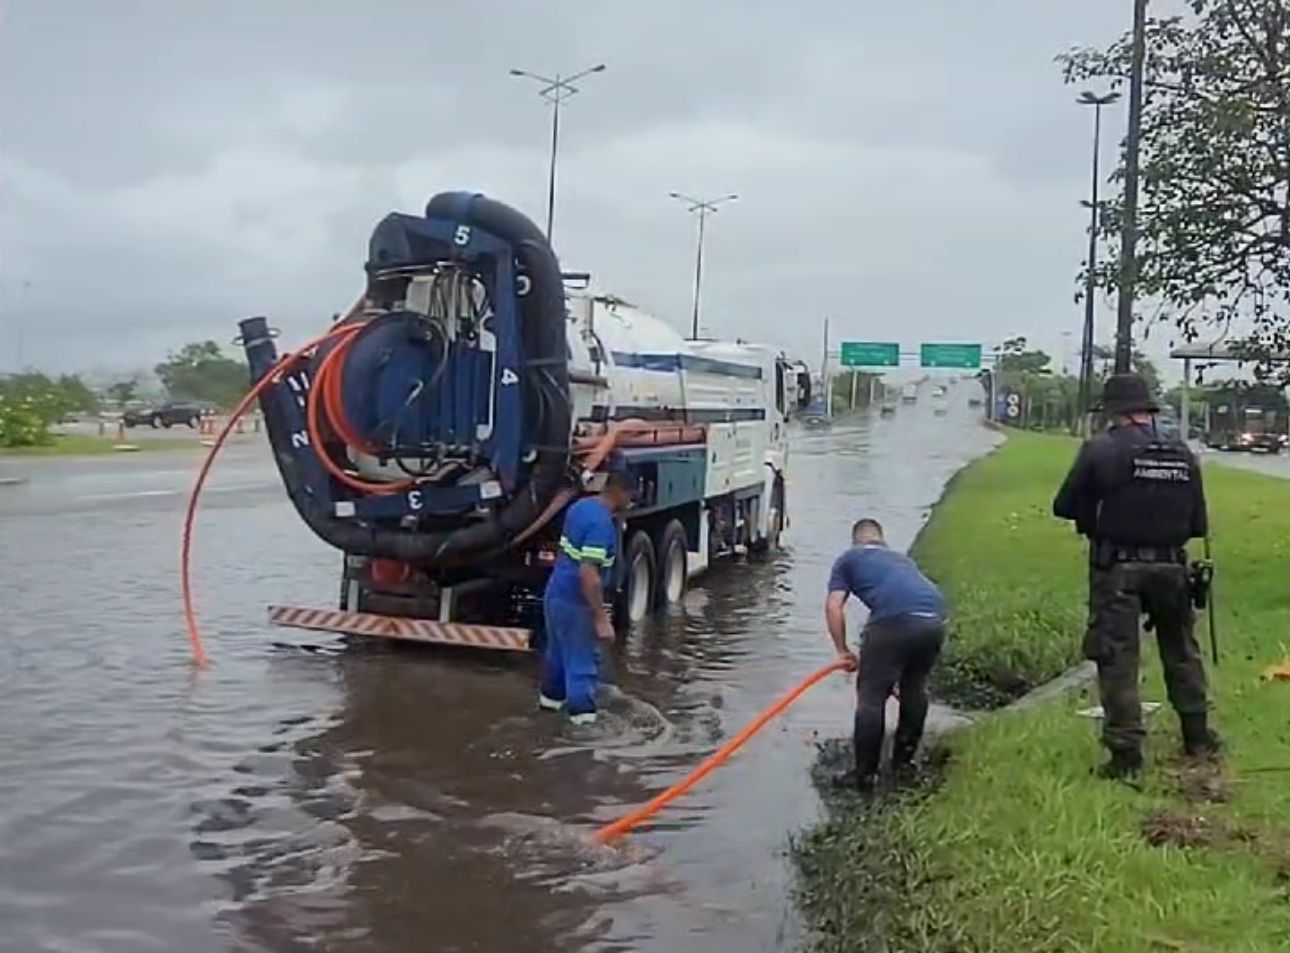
pixel 439 431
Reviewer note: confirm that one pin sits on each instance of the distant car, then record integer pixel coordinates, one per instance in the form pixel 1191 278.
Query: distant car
pixel 167 415
pixel 1245 441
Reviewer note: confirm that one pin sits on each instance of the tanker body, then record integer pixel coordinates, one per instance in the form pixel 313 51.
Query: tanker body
pixel 437 437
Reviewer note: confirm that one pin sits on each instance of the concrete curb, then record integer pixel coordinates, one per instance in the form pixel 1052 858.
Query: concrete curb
pixel 1074 678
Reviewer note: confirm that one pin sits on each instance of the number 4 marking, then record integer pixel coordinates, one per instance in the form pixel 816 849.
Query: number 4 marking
pixel 508 377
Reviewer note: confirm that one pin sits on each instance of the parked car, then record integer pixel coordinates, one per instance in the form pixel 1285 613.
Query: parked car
pixel 167 414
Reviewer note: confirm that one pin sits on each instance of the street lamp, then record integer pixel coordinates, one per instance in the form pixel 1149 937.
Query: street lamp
pixel 555 90
pixel 1087 98
pixel 1129 235
pixel 703 207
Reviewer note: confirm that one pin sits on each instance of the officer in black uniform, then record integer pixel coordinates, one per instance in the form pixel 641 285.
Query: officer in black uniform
pixel 1137 495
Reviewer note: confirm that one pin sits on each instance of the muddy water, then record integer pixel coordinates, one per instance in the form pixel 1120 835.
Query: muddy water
pixel 308 794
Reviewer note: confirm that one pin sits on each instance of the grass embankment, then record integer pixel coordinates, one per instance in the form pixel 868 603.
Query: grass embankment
pixel 1014 576
pixel 79 445
pixel 1019 848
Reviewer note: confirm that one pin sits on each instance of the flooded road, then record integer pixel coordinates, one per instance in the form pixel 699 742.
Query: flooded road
pixel 306 793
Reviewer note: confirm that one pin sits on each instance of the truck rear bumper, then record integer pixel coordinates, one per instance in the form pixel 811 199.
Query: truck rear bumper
pixel 408 630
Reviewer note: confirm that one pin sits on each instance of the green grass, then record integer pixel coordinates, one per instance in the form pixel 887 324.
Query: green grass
pixel 1018 848
pixel 78 445
pixel 1009 571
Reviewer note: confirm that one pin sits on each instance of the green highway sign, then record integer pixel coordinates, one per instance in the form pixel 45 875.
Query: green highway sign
pixel 869 354
pixel 967 356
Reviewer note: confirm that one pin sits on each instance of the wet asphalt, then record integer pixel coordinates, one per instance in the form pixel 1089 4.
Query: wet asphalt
pixel 309 793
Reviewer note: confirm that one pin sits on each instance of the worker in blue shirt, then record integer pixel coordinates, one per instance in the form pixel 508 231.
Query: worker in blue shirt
pixel 574 602
pixel 900 643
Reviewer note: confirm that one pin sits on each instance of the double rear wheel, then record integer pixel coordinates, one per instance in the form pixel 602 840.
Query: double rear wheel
pixel 654 571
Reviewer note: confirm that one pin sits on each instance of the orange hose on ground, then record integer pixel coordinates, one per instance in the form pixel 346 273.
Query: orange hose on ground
pixel 186 545
pixel 611 832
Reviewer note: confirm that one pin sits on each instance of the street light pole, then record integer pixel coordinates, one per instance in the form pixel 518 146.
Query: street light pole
pixel 555 90
pixel 703 207
pixel 1129 236
pixel 1090 283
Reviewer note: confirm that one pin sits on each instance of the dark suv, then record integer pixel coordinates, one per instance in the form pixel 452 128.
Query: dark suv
pixel 166 415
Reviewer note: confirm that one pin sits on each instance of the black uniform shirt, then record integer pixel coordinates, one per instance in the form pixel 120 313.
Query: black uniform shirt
pixel 1143 512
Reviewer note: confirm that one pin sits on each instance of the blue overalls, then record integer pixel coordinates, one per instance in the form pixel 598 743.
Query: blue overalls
pixel 571 657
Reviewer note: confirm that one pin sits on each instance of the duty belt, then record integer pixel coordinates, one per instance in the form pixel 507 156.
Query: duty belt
pixel 1146 554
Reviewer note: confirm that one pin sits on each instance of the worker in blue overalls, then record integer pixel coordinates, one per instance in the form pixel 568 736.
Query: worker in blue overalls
pixel 574 602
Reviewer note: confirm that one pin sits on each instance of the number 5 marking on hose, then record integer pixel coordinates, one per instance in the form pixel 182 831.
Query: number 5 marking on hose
pixel 415 501
pixel 508 377
pixel 462 235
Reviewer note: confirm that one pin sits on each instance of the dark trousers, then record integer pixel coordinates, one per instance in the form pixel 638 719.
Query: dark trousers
pixel 1118 596
pixel 900 652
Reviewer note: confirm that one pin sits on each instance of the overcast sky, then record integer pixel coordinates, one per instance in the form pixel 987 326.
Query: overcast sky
pixel 913 170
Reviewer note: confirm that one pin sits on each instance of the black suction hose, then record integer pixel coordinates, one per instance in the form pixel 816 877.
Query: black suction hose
pixel 548 422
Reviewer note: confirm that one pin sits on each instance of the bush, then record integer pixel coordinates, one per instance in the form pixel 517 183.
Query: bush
pixel 27 411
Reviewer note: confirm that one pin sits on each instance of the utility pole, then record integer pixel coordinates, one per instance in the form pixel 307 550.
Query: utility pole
pixel 703 207
pixel 824 374
pixel 1129 236
pixel 555 90
pixel 1090 283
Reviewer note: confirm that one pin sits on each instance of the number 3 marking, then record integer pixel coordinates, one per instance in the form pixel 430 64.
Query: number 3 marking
pixel 414 500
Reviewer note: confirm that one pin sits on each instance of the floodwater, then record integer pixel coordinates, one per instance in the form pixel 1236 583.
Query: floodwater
pixel 305 793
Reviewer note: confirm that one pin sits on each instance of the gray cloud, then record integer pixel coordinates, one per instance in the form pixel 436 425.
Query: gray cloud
pixel 168 167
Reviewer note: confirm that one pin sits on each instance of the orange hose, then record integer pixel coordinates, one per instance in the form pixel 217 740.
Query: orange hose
pixel 186 545
pixel 604 446
pixel 326 379
pixel 611 832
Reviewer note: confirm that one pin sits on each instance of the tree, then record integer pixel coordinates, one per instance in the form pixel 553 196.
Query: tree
pixel 1214 215
pixel 1015 358
pixel 1104 364
pixel 124 391
pixel 202 372
pixel 1048 399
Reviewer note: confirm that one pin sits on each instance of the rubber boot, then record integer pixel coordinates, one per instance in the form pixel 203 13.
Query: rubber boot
pixel 902 760
pixel 1124 763
pixel 1199 741
pixel 850 781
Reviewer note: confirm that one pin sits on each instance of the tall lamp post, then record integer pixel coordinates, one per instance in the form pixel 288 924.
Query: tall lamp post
pixel 703 207
pixel 555 90
pixel 1129 235
pixel 1090 285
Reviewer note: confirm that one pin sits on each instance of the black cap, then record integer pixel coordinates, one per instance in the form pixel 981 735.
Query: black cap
pixel 1127 394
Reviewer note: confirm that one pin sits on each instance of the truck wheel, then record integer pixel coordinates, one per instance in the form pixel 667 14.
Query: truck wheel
pixel 774 522
pixel 635 597
pixel 673 565
pixel 155 421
